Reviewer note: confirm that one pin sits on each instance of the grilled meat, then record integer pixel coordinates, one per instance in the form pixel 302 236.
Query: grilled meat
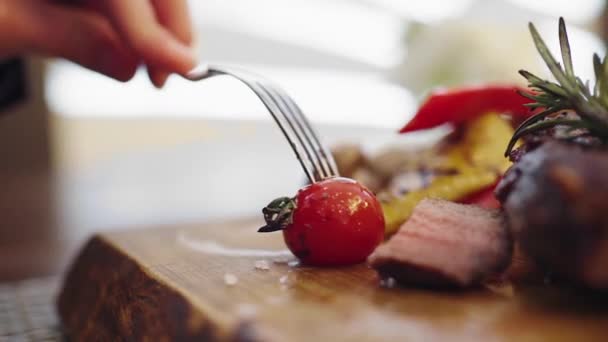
pixel 556 202
pixel 446 245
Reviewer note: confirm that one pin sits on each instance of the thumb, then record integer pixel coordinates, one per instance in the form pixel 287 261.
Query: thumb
pixel 80 35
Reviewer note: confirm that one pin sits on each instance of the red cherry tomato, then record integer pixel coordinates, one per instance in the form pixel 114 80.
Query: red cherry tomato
pixel 333 222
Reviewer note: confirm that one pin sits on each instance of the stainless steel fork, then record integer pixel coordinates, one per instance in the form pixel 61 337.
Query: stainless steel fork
pixel 316 160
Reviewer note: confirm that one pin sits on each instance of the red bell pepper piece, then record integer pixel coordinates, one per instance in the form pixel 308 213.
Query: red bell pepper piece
pixel 484 198
pixel 463 104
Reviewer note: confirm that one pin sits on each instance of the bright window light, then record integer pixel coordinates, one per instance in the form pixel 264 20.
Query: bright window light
pixel 425 11
pixel 339 27
pixel 575 10
pixel 583 44
pixel 325 96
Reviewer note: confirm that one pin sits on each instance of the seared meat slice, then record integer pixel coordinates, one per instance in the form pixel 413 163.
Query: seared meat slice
pixel 445 244
pixel 556 202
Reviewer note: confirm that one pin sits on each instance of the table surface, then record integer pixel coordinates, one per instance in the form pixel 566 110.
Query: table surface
pixel 226 280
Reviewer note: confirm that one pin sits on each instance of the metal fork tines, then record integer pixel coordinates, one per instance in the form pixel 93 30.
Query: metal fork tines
pixel 316 160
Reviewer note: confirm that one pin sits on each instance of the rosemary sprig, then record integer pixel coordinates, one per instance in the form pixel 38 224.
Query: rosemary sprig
pixel 569 93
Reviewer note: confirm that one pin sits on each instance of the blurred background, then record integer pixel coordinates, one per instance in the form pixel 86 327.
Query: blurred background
pixel 82 153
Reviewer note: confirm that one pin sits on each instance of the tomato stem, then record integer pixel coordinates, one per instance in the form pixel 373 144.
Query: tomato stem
pixel 278 214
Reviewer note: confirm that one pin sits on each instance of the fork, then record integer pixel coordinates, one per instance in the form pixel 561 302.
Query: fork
pixel 315 159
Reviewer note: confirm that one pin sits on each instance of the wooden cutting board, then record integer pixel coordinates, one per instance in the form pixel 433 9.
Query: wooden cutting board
pixel 201 283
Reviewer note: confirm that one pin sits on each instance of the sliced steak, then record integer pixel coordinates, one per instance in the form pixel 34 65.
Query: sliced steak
pixel 445 244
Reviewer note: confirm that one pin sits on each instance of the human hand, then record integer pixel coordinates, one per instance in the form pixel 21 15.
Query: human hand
pixel 109 36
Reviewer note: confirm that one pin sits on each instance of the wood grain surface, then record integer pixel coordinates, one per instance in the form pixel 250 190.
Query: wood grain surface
pixel 201 283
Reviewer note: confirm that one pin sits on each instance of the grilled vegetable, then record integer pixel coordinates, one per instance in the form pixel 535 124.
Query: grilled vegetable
pixel 473 164
pixel 484 198
pixel 457 106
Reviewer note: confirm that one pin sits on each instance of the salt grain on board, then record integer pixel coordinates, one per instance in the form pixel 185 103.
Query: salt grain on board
pixel 262 265
pixel 283 279
pixel 230 279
